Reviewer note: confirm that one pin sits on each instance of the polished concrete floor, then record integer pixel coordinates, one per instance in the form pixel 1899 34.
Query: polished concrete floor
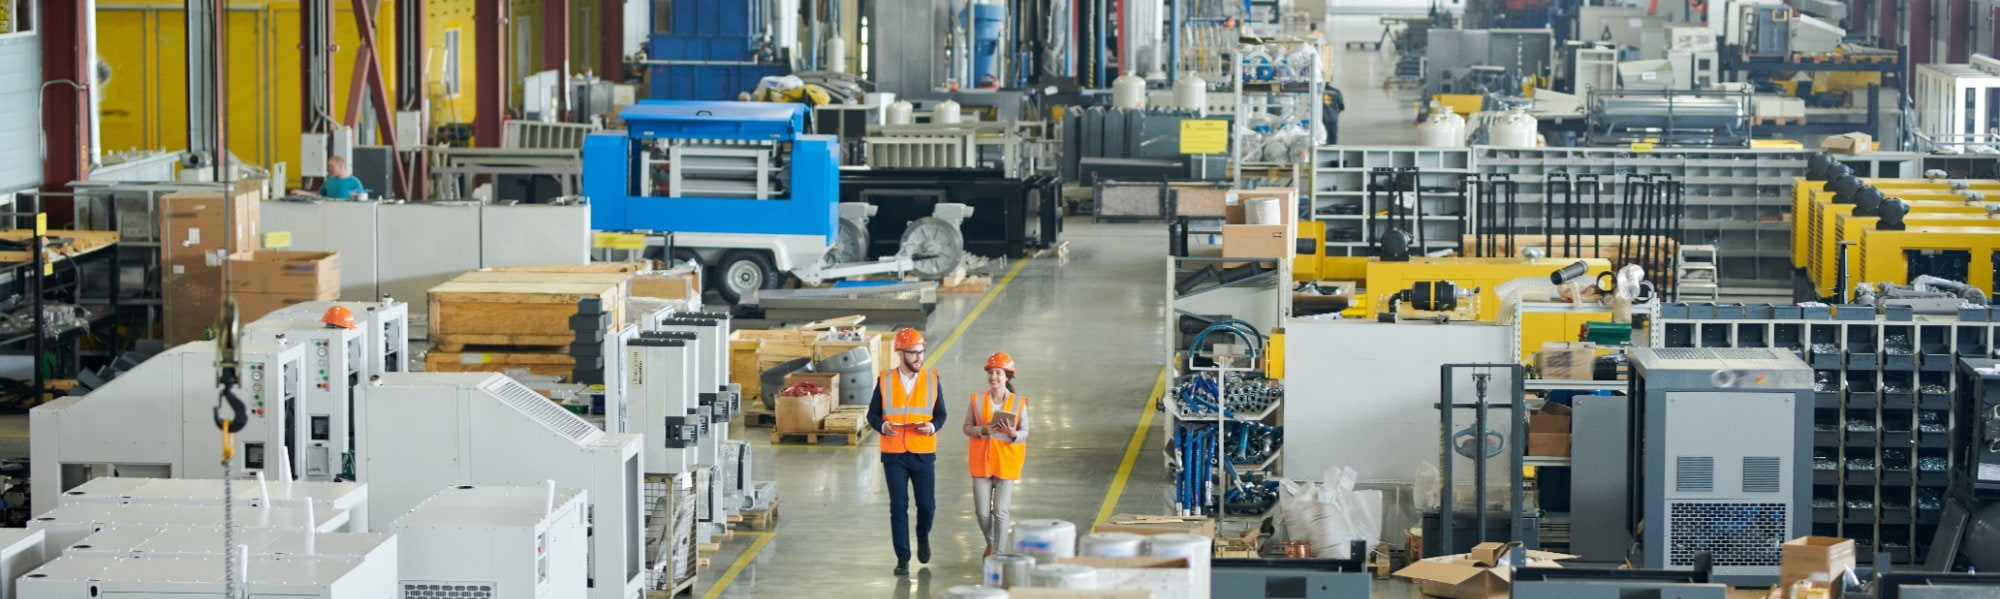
pixel 1087 334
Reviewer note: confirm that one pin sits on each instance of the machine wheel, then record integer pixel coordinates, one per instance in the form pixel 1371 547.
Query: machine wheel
pixel 850 243
pixel 740 273
pixel 934 245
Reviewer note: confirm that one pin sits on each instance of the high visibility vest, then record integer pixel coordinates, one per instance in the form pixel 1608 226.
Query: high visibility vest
pixel 905 408
pixel 995 457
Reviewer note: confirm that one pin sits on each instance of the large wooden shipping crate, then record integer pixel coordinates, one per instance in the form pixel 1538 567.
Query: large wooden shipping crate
pixel 517 308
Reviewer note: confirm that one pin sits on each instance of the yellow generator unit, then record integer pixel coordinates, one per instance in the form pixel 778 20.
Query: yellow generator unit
pixel 1819 227
pixel 1895 252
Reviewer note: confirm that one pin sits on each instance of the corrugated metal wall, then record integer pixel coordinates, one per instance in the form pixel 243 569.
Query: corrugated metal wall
pixel 20 138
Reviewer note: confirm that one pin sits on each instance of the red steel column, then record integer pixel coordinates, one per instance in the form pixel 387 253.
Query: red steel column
pixel 555 40
pixel 611 40
pixel 1887 31
pixel 65 108
pixel 489 72
pixel 1920 41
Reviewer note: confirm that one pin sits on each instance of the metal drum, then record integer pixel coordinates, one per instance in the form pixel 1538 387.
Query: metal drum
pixel 1111 544
pixel 856 368
pixel 1008 570
pixel 1045 540
pixel 1196 549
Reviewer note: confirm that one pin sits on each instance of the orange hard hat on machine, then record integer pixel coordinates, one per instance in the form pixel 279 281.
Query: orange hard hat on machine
pixel 338 316
pixel 1001 361
pixel 908 338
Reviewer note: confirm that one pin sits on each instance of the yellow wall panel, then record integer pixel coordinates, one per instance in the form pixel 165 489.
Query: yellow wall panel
pixel 441 16
pixel 126 119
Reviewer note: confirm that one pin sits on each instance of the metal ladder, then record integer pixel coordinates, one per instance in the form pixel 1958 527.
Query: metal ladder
pixel 1695 273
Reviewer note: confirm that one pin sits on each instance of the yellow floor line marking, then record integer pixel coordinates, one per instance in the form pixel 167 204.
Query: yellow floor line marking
pixel 728 576
pixel 743 561
pixel 1132 450
pixel 938 352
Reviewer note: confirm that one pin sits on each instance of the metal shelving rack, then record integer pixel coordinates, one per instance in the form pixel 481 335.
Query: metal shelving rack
pixel 41 277
pixel 1883 418
pixel 1278 87
pixel 1340 195
pixel 1262 299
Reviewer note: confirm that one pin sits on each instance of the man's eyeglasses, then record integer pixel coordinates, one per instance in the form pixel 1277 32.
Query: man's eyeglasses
pixel 911 352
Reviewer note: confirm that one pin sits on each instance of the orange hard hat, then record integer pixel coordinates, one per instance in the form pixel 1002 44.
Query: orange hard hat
pixel 1001 361
pixel 908 338
pixel 338 316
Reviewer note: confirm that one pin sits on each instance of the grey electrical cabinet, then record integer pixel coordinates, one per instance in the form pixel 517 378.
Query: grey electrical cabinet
pixel 1722 461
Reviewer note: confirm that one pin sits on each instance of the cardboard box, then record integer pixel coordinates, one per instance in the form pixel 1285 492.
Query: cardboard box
pixel 1802 557
pixel 1474 575
pixel 1848 143
pixel 1548 431
pixel 251 306
pixel 1234 212
pixel 1201 201
pixel 1028 593
pixel 1256 241
pixel 286 273
pixel 802 413
pixel 828 382
pixel 1165 577
pixel 1140 524
pixel 192 303
pixel 1566 361
pixel 201 228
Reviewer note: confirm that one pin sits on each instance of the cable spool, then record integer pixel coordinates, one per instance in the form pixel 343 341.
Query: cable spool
pixel 1045 540
pixel 1111 544
pixel 1063 576
pixel 1008 570
pixel 1196 549
pixel 966 591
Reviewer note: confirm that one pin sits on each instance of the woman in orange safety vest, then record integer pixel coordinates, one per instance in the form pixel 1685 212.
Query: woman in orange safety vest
pixel 997 425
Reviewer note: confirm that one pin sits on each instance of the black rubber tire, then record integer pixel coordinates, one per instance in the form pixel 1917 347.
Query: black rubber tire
pixel 750 270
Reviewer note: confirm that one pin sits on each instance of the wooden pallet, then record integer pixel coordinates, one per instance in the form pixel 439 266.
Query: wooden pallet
pixel 847 438
pixel 686 587
pixel 709 548
pixel 761 520
pixel 758 417
pixel 1779 121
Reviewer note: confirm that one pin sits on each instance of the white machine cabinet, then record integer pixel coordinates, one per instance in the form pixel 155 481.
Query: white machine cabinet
pixel 422 432
pixel 71 523
pixel 497 543
pixel 385 323
pixel 21 550
pixel 335 361
pixel 663 399
pixel 157 420
pixel 325 496
pixel 264 578
pixel 282 545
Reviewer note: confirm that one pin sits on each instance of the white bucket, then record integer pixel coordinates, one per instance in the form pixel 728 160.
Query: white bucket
pixel 1008 570
pixel 1045 540
pixel 1262 211
pixel 1063 576
pixel 1111 544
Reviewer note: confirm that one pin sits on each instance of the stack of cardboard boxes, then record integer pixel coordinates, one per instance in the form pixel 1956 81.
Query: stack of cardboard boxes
pixel 1240 239
pixel 208 252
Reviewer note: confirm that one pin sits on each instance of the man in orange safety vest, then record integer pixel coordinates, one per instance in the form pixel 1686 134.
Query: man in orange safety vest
pixel 908 411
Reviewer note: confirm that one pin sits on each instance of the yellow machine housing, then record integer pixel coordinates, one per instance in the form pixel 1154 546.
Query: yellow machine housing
pixel 1818 243
pixel 1317 266
pixel 1824 271
pixel 1884 256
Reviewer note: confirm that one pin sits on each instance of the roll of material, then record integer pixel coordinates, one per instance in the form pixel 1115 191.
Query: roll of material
pixel 966 591
pixel 1063 576
pixel 1045 540
pixel 1008 570
pixel 1263 211
pixel 1111 544
pixel 1196 549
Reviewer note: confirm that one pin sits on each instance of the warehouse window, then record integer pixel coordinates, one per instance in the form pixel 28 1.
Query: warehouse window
pixel 451 63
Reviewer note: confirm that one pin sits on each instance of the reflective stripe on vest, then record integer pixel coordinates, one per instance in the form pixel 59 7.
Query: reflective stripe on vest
pixel 996 458
pixel 905 407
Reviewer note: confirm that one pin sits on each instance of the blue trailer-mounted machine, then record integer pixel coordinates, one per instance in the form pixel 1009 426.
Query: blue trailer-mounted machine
pixel 745 191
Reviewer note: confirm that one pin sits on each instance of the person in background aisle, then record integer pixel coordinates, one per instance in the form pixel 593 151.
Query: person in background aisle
pixel 997 423
pixel 1331 105
pixel 339 184
pixel 908 411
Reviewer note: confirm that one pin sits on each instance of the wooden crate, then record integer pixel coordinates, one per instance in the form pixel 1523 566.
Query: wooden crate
pixel 549 364
pixel 751 352
pixel 846 418
pixel 847 424
pixel 516 308
pixel 595 267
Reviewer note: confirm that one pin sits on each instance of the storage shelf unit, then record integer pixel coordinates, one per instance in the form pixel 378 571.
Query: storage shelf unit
pixel 1340 194
pixel 1882 424
pixel 1267 82
pixel 1737 200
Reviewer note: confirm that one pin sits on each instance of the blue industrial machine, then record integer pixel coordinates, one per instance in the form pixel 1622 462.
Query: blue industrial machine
pixel 744 190
pixel 716 50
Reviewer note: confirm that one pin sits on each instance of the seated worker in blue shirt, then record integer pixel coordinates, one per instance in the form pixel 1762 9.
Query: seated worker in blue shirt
pixel 339 184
